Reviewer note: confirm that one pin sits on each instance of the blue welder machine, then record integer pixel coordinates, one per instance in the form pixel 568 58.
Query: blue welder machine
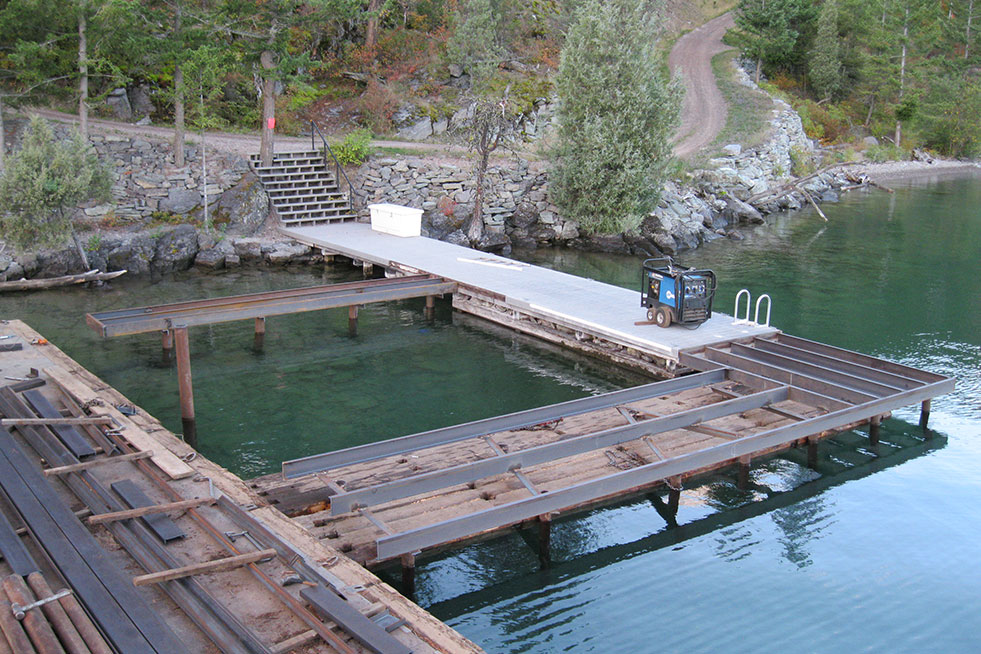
pixel 673 293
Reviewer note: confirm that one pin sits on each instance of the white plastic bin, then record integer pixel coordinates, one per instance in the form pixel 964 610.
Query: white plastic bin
pixel 395 219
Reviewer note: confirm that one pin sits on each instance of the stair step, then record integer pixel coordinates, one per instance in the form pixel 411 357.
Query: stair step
pixel 301 154
pixel 305 184
pixel 318 221
pixel 286 195
pixel 303 206
pixel 313 174
pixel 289 170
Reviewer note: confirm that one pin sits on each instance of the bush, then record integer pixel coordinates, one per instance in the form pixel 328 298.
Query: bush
pixel 881 153
pixel 354 149
pixel 801 162
pixel 378 104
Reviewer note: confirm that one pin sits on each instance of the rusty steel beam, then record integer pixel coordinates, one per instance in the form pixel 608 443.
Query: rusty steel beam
pixel 163 317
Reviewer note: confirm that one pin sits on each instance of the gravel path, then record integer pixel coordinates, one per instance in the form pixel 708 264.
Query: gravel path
pixel 703 114
pixel 240 144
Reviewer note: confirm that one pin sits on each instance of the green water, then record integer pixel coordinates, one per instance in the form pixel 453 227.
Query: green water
pixel 866 554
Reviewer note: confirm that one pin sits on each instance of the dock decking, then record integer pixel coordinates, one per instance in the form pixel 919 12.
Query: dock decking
pixel 758 391
pixel 581 313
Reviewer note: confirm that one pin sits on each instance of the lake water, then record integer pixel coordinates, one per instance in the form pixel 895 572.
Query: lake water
pixel 868 553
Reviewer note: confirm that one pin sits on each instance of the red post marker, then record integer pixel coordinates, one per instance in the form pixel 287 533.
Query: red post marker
pixel 271 123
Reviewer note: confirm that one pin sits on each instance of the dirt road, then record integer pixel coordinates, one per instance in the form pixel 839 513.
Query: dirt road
pixel 703 114
pixel 241 144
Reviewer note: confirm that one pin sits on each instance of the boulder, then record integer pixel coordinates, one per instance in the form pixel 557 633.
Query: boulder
pixel 244 207
pixel 740 212
pixel 212 259
pixel 175 250
pixel 119 104
pixel 180 200
pixel 133 254
pixel 139 100
pixel 417 131
pixel 248 248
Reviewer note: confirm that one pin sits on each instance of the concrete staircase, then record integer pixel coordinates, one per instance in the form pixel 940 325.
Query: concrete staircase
pixel 303 189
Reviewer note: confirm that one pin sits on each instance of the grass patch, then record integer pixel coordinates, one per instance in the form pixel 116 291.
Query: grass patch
pixel 749 109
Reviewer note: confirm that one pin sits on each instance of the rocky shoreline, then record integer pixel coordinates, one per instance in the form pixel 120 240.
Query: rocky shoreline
pixel 152 226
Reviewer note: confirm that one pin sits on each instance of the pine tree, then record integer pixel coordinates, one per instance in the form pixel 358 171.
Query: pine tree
pixel 825 63
pixel 474 44
pixel 43 183
pixel 616 113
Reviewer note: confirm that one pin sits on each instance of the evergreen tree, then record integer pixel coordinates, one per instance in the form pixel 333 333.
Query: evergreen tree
pixel 616 113
pixel 765 32
pixel 43 183
pixel 474 44
pixel 825 63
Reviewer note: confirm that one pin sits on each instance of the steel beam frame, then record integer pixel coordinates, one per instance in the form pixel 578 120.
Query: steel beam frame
pixel 512 461
pixel 790 377
pixel 320 462
pixel 862 359
pixel 448 531
pixel 845 380
pixel 840 365
pixel 259 305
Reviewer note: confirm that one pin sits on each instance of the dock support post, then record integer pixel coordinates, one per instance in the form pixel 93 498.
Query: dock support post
pixel 430 307
pixel 674 496
pixel 367 268
pixel 874 423
pixel 167 343
pixel 184 385
pixel 545 540
pixel 352 320
pixel 742 481
pixel 409 575
pixel 924 413
pixel 812 452
pixel 260 333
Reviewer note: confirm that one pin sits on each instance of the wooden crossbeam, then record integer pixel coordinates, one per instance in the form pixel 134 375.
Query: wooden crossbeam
pixel 146 510
pixel 19 422
pixel 85 465
pixel 221 565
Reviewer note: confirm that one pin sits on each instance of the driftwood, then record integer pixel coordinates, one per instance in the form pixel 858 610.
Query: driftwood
pixel 858 181
pixel 66 280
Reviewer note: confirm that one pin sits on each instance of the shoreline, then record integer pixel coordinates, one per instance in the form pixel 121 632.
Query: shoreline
pixel 898 171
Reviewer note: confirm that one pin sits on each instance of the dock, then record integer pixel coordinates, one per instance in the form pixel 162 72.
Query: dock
pixel 579 313
pixel 735 393
pixel 116 536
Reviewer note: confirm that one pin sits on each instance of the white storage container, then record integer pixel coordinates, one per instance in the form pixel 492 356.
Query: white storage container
pixel 395 219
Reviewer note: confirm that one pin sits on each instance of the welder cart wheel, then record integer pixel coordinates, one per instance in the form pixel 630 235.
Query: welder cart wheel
pixel 662 318
pixel 650 315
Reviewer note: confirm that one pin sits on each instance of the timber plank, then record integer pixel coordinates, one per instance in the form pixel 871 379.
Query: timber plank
pixel 84 394
pixel 122 614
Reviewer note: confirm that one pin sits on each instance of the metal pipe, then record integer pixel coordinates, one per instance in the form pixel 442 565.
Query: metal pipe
pixel 12 630
pixel 185 388
pixel 34 622
pixel 56 615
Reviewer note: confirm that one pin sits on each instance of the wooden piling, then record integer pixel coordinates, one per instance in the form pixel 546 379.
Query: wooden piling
pixel 924 413
pixel 545 540
pixel 260 333
pixel 409 575
pixel 742 481
pixel 430 307
pixel 184 385
pixel 674 496
pixel 167 346
pixel 67 632
pixel 812 452
pixel 352 320
pixel 874 423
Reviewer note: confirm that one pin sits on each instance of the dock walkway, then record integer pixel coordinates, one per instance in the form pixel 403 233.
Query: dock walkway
pixel 582 313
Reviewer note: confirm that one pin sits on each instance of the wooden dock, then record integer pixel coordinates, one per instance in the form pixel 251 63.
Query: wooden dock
pixel 579 313
pixel 754 391
pixel 156 548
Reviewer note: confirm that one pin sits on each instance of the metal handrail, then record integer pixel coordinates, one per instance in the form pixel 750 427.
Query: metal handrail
pixel 338 168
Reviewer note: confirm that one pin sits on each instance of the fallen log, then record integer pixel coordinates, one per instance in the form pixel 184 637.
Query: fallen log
pixel 53 282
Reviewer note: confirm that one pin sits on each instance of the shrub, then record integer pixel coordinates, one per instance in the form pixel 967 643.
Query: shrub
pixel 354 149
pixel 801 162
pixel 378 104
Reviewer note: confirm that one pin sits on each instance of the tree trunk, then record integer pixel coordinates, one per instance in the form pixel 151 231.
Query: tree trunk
pixel 902 74
pixel 3 137
pixel 267 59
pixel 967 36
pixel 178 117
pixel 371 29
pixel 759 66
pixel 476 230
pixel 83 72
pixel 81 251
pixel 178 100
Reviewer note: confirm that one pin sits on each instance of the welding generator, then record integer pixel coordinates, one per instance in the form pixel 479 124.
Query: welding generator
pixel 673 293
